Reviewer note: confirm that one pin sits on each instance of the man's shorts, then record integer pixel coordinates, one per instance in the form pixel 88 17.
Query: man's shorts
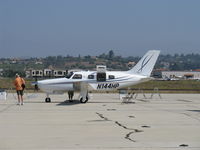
pixel 20 92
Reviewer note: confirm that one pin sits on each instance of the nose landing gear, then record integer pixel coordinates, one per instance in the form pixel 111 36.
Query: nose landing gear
pixel 47 99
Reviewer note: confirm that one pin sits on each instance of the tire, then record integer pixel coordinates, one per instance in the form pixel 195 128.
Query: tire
pixel 84 101
pixel 47 100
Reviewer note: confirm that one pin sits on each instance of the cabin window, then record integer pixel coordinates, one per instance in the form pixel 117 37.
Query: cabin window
pixel 111 77
pixel 101 76
pixel 91 76
pixel 77 76
pixel 69 75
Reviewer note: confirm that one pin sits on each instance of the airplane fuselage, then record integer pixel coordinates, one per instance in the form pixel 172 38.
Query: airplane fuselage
pixel 113 80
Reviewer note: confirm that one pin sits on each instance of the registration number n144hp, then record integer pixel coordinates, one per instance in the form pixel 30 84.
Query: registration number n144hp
pixel 107 85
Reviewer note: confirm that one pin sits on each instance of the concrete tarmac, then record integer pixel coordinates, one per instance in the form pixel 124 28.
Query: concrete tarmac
pixel 170 123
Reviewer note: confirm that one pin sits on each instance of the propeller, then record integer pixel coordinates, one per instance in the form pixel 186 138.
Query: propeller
pixel 35 84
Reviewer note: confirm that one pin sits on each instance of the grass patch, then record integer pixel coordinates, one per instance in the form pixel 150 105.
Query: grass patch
pixel 170 85
pixel 179 86
pixel 8 83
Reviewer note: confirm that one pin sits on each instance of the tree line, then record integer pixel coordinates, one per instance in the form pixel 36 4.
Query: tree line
pixel 178 62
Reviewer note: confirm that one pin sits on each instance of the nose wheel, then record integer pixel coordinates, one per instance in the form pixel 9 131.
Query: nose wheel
pixel 47 100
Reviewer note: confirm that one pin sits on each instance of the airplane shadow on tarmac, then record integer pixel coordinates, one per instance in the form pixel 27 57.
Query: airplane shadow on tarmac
pixel 63 103
pixel 68 103
pixel 76 102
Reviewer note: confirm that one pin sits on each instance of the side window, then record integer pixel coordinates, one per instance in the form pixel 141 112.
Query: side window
pixel 77 76
pixel 91 76
pixel 111 77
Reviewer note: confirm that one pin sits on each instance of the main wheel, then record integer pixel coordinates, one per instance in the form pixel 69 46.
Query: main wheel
pixel 84 101
pixel 47 100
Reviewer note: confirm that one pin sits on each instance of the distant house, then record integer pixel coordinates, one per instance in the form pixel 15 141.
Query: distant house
pixel 131 64
pixel 38 62
pixel 157 73
pixel 37 73
pixel 196 70
pixel 1 72
pixel 13 62
pixel 28 73
pixel 48 72
pixel 45 73
pixel 181 74
pixel 59 73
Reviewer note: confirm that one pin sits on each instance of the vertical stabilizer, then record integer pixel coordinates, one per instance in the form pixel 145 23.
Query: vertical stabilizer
pixel 146 63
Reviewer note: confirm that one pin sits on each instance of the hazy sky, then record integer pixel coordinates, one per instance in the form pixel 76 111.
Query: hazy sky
pixel 92 27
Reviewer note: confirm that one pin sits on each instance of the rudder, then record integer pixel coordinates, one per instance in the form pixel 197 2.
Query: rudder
pixel 146 63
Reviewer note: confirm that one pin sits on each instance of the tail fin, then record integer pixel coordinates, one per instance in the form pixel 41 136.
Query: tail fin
pixel 146 63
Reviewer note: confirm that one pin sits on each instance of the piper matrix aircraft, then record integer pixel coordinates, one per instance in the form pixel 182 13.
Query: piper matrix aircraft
pixel 100 80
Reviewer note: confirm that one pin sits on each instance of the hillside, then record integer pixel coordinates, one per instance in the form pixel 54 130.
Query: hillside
pixel 178 62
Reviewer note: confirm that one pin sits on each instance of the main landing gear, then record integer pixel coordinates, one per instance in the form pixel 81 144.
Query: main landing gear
pixel 47 99
pixel 84 100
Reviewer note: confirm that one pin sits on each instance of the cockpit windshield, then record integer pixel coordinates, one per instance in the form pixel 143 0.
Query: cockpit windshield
pixel 69 75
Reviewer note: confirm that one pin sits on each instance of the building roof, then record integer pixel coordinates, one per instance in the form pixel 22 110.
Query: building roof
pixel 196 70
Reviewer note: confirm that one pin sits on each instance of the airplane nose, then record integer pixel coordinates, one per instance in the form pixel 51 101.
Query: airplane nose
pixel 35 84
pixel 42 84
pixel 39 83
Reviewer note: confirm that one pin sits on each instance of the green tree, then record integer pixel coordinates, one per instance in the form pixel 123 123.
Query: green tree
pixel 111 54
pixel 11 73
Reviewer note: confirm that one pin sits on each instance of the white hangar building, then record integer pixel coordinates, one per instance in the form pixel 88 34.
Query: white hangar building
pixel 181 74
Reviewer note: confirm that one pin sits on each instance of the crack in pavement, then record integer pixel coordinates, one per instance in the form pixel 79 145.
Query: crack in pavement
pixel 183 100
pixel 128 136
pixel 111 109
pixel 101 116
pixel 131 116
pixel 145 126
pixel 191 116
pixel 123 126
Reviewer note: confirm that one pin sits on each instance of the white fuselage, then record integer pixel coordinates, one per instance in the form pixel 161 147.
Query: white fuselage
pixel 111 81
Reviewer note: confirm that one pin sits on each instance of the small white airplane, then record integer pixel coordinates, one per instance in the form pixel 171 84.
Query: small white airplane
pixel 100 80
